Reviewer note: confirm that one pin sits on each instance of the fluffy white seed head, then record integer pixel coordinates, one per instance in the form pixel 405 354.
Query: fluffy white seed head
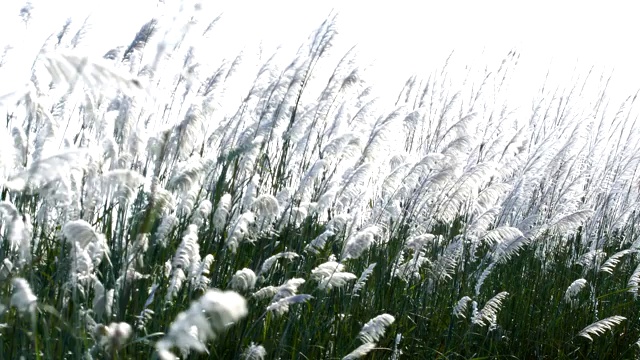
pixel 337 280
pixel 113 336
pixel 373 330
pixel 270 261
pixel 254 352
pixel 573 290
pixel 209 316
pixel 360 351
pixel 360 242
pixel 281 306
pixel 221 214
pixel 243 280
pixel 23 298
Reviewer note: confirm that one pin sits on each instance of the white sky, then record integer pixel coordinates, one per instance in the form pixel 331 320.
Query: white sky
pixel 403 36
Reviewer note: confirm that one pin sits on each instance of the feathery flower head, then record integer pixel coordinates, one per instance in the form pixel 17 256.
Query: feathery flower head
pixel 23 298
pixel 243 280
pixel 254 352
pixel 205 319
pixel 374 329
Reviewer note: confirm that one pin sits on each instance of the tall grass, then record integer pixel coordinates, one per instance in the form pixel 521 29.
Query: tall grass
pixel 147 211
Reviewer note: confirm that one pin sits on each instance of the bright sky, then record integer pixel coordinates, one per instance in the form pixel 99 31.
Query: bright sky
pixel 403 36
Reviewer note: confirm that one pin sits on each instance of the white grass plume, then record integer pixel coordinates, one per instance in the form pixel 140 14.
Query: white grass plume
pixel 360 242
pixel 461 307
pixel 375 328
pixel 11 156
pixel 250 192
pixel 81 232
pixel 188 133
pixel 634 281
pixel 362 280
pixel 307 182
pixel 483 221
pixel 326 269
pixel 20 231
pixel 409 270
pixel 416 243
pixel 501 234
pixel 397 352
pixel 221 214
pixel 592 259
pixel 360 351
pixel 354 184
pixel 202 212
pixel 505 250
pixel 240 230
pixel 187 202
pixel 243 280
pixel 600 327
pixel 6 269
pixel 613 261
pixel 168 223
pixel 337 280
pixel 89 248
pixel 271 260
pixel 187 264
pixel 201 278
pixel 188 252
pixel 281 306
pixel 489 312
pixel 121 184
pixel 319 242
pixel 567 224
pixel 266 292
pixel 102 300
pixel 113 336
pixel 68 69
pixel 254 352
pixel 289 288
pixel 23 298
pixel 176 281
pixel 43 172
pixel 266 208
pixel 573 290
pixel 445 266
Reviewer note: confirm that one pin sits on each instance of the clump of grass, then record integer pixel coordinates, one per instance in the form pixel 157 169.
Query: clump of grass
pixel 135 187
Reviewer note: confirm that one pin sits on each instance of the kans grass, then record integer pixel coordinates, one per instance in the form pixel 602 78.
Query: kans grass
pixel 147 212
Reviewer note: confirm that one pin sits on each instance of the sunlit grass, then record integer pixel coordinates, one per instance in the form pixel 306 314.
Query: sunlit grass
pixel 148 213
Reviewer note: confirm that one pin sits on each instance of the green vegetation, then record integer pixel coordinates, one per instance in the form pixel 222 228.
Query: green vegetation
pixel 147 212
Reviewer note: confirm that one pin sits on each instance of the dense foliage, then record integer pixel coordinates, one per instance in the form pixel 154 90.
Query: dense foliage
pixel 149 210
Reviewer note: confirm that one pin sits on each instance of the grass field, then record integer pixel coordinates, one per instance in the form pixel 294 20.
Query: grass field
pixel 156 205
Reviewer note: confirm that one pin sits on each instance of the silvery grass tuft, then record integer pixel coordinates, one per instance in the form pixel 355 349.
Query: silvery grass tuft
pixel 489 312
pixel 113 336
pixel 573 289
pixel 254 352
pixel 361 282
pixel 331 275
pixel 600 327
pixel 135 182
pixel 360 351
pixel 243 280
pixel 288 289
pixel 271 260
pixel 281 306
pixel 461 307
pixel 205 319
pixel 370 334
pixel 375 328
pixel 23 298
